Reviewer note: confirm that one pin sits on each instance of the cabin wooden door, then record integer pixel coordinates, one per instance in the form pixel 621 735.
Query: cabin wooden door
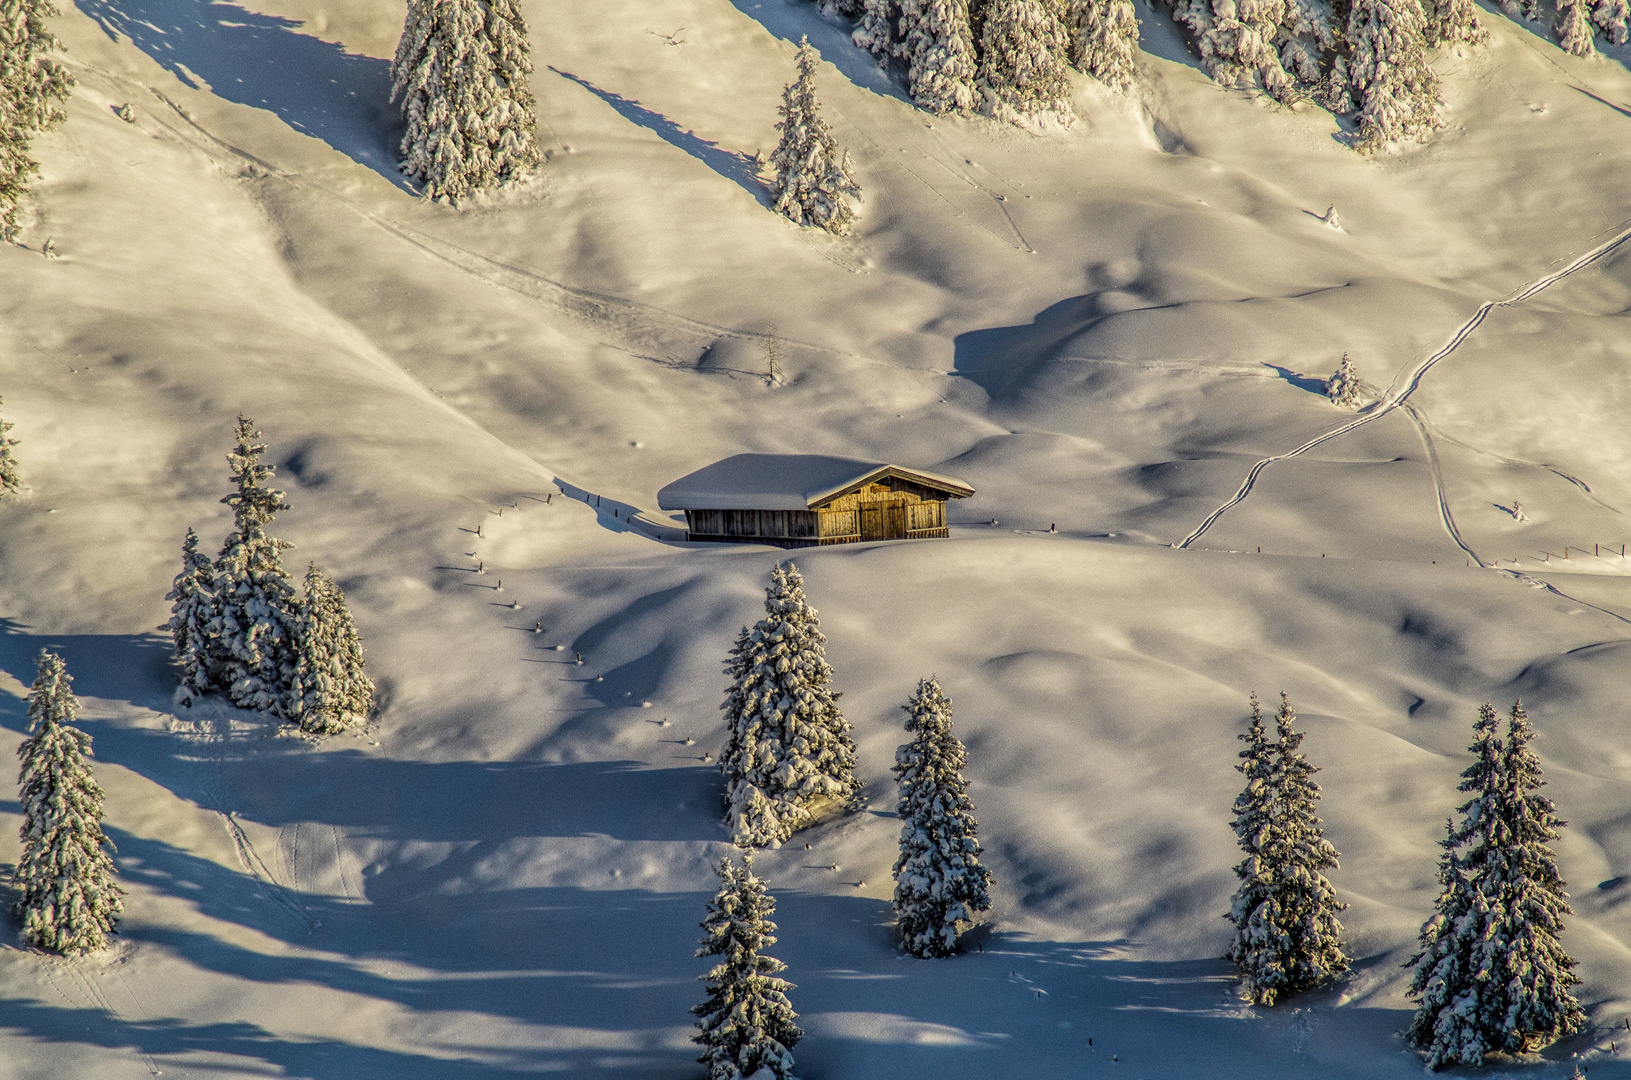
pixel 883 523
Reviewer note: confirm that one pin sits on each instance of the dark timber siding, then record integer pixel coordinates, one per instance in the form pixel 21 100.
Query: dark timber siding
pixel 891 509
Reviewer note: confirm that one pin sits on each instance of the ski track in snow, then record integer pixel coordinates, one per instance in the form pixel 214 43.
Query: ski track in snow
pixel 1412 381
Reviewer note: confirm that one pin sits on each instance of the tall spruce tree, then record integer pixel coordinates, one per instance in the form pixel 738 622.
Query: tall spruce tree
pixel 748 1027
pixel 330 692
pixel 1104 41
pixel 937 43
pixel 1454 23
pixel 10 482
pixel 461 75
pixel 66 896
pixel 1287 937
pixel 1574 27
pixel 877 28
pixel 1492 975
pixel 32 87
pixel 1023 47
pixel 1611 16
pixel 813 183
pixel 1397 93
pixel 195 622
pixel 1271 45
pixel 253 657
pixel 787 748
pixel 940 885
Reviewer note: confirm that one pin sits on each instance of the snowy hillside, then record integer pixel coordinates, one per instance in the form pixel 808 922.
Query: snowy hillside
pixel 1104 330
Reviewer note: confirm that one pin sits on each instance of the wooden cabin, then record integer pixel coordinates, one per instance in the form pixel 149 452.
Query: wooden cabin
pixel 801 500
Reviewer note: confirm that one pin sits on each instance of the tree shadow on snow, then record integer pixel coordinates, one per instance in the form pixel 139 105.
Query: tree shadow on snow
pixel 265 62
pixel 732 165
pixel 790 20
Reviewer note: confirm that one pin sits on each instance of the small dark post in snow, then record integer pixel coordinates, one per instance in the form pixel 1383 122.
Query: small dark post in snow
pixel 579 660
pixel 538 627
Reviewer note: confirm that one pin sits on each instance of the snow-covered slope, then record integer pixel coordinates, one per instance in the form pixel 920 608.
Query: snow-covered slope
pixel 1103 330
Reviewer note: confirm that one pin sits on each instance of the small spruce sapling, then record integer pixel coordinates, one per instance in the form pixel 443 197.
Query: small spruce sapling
pixel 461 77
pixel 32 88
pixel 253 656
pixel 195 624
pixel 813 184
pixel 940 885
pixel 748 1026
pixel 330 692
pixel 1343 385
pixel 1287 937
pixel 10 482
pixel 787 749
pixel 1022 60
pixel 67 899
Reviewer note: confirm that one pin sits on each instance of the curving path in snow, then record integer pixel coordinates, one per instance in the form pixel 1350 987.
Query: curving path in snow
pixel 1396 398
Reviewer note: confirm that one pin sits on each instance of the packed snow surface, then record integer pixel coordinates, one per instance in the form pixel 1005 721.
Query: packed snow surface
pixel 1118 332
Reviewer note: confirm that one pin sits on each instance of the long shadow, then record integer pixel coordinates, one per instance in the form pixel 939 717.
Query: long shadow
pixel 265 62
pixel 1312 384
pixel 830 36
pixel 732 165
pixel 1002 359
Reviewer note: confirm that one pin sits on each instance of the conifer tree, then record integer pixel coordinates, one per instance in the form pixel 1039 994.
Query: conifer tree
pixel 877 28
pixel 10 482
pixel 1104 41
pixel 330 691
pixel 1611 17
pixel 461 74
pixel 1454 23
pixel 813 183
pixel 253 656
pixel 1022 60
pixel 1272 45
pixel 1574 27
pixel 748 1027
pixel 1343 385
pixel 787 746
pixel 1397 93
pixel 32 86
pixel 1492 975
pixel 194 621
pixel 940 884
pixel 937 43
pixel 1287 937
pixel 67 899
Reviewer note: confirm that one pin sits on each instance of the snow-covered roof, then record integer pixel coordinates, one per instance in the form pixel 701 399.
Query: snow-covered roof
pixel 788 482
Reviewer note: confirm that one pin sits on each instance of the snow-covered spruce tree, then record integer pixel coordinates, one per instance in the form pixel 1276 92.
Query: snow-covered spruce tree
pixel 748 1027
pixel 1491 975
pixel 10 482
pixel 1287 937
pixel 1397 94
pixel 1272 45
pixel 877 28
pixel 194 620
pixel 1104 41
pixel 939 883
pixel 1343 385
pixel 1574 27
pixel 1611 16
pixel 461 74
pixel 66 896
pixel 787 749
pixel 849 9
pixel 253 657
pixel 813 183
pixel 937 44
pixel 32 86
pixel 1022 60
pixel 1455 23
pixel 330 691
